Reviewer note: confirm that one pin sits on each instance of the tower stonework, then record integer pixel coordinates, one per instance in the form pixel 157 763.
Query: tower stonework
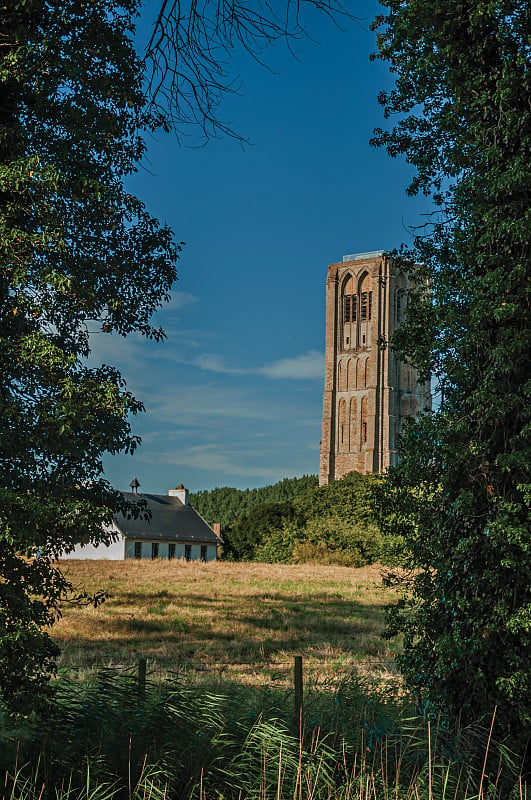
pixel 368 393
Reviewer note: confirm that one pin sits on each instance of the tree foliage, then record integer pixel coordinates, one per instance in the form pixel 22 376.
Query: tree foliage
pixel 322 540
pixel 461 494
pixel 339 525
pixel 80 258
pixel 327 524
pixel 245 537
pixel 226 504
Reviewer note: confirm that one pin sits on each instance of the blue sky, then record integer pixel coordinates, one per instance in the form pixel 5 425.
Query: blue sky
pixel 233 396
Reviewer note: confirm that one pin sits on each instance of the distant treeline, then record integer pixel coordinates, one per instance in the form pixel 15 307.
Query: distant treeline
pixel 225 504
pixel 296 520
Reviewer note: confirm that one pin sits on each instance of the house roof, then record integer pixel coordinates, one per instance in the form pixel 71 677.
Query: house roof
pixel 171 520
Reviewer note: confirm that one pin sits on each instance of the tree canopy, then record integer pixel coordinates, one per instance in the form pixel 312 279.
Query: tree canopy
pixel 298 520
pixel 226 504
pixel 80 258
pixel 461 494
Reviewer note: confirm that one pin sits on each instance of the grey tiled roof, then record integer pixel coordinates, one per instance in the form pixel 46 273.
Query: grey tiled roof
pixel 170 521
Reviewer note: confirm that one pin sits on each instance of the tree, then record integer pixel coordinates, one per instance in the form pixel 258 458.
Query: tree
pixel 348 498
pixel 225 504
pixel 252 529
pixel 461 493
pixel 331 524
pixel 80 257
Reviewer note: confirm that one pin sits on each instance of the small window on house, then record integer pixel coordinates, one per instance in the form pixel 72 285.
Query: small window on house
pixel 171 551
pixel 370 305
pixel 154 549
pixel 138 549
pixel 203 552
pixel 188 551
pixel 364 433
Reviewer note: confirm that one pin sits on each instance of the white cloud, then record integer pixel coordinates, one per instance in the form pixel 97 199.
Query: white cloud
pixel 307 366
pixel 200 403
pixel 179 338
pixel 213 458
pixel 165 313
pixel 178 300
pixel 111 348
pixel 120 351
pixel 213 363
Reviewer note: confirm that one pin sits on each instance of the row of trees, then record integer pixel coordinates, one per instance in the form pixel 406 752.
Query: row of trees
pixel 328 524
pixel 296 520
pixel 226 504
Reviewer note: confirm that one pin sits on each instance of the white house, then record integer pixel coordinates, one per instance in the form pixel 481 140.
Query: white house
pixel 174 530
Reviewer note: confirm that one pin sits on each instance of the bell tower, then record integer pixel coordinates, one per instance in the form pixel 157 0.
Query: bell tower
pixel 368 393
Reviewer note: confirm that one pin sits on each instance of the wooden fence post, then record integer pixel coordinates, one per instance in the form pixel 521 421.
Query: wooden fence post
pixel 298 685
pixel 142 668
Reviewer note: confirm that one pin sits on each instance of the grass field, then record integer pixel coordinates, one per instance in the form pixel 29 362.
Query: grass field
pixel 229 725
pixel 227 621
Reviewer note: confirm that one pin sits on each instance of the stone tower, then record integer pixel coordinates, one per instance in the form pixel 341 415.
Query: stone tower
pixel 368 393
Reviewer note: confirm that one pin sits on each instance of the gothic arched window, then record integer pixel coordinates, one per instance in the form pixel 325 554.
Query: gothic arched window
pixel 367 372
pixel 349 301
pixel 365 299
pixel 348 313
pixel 400 305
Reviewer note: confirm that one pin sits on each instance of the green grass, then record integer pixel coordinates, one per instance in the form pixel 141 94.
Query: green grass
pixel 109 738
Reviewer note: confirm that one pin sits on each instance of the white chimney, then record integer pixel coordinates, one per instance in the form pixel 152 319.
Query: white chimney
pixel 179 492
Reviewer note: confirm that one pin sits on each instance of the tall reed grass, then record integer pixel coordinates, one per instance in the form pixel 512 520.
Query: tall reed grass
pixel 115 739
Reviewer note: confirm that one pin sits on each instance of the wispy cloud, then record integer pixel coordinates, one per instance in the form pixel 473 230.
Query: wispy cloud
pixel 307 366
pixel 201 403
pixel 213 458
pixel 108 348
pixel 180 299
pixel 213 363
pixel 135 351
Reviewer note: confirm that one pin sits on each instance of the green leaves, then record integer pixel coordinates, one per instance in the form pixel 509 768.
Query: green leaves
pixel 76 252
pixel 464 84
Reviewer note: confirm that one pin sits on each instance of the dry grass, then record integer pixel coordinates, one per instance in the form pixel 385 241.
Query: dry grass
pixel 226 621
